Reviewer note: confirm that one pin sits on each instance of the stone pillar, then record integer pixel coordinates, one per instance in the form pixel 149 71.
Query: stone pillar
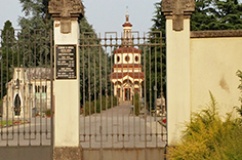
pixel 177 14
pixel 66 77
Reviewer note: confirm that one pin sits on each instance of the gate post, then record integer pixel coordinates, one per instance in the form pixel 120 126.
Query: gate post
pixel 177 15
pixel 66 78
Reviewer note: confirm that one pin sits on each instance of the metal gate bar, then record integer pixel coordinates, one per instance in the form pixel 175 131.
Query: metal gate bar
pixel 112 121
pixel 26 89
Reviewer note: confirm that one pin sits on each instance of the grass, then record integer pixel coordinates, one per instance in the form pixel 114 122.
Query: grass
pixel 4 123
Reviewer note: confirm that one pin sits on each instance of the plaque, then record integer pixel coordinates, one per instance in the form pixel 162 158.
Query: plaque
pixel 65 62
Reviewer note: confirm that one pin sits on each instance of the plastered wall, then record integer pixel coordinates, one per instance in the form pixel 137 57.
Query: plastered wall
pixel 214 63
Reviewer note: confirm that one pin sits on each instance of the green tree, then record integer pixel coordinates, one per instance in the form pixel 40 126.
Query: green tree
pixel 158 20
pixel 36 15
pixel 228 14
pixel 216 15
pixel 155 59
pixel 208 15
pixel 94 65
pixel 34 38
pixel 9 56
pixel 202 18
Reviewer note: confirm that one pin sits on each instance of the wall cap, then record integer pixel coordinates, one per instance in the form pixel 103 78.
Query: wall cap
pixel 216 33
pixel 178 10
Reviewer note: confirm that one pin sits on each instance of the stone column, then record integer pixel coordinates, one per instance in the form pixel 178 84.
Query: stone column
pixel 66 77
pixel 177 14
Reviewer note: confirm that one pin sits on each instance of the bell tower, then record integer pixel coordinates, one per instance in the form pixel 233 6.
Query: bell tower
pixel 127 31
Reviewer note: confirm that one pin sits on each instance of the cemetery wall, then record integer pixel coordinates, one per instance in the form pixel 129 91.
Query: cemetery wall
pixel 215 58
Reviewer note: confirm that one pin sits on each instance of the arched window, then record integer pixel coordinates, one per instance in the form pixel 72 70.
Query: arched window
pixel 17 105
pixel 118 58
pixel 136 58
pixel 127 58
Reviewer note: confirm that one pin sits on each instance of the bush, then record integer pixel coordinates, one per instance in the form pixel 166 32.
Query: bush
pixel 88 108
pixel 48 112
pixel 136 103
pixel 112 101
pixel 208 137
pixel 100 104
pixel 239 109
pixel 1 108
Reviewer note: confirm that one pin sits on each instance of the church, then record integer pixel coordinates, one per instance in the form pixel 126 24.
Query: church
pixel 28 93
pixel 127 76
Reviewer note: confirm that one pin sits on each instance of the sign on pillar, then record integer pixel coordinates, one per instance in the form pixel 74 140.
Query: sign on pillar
pixel 66 56
pixel 66 76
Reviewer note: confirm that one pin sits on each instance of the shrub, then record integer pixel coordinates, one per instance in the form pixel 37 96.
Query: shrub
pixel 136 103
pixel 99 104
pixel 208 137
pixel 112 101
pixel 1 108
pixel 48 112
pixel 88 108
pixel 239 109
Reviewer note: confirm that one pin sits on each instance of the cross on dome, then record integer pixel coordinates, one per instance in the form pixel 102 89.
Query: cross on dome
pixel 127 14
pixel 127 23
pixel 127 27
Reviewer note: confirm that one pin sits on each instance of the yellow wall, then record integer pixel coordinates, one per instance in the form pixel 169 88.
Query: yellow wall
pixel 214 62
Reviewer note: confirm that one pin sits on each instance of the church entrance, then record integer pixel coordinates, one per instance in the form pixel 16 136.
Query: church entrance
pixel 127 94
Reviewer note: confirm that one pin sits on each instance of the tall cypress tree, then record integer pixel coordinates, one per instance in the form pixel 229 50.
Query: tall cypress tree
pixel 9 56
pixel 34 37
pixel 155 60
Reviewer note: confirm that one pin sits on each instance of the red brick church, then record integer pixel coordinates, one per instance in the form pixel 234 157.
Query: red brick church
pixel 127 75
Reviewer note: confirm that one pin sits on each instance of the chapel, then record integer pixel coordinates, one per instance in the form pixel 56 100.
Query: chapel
pixel 28 93
pixel 127 75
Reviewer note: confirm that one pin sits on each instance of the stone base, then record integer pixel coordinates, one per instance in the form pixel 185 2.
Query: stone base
pixel 67 153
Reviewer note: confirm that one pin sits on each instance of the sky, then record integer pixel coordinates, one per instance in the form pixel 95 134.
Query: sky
pixel 103 15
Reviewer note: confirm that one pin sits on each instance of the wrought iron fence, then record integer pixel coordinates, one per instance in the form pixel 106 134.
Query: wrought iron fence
pixel 26 88
pixel 122 91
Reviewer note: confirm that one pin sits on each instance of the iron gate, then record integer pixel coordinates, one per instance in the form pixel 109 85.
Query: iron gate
pixel 123 112
pixel 26 89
